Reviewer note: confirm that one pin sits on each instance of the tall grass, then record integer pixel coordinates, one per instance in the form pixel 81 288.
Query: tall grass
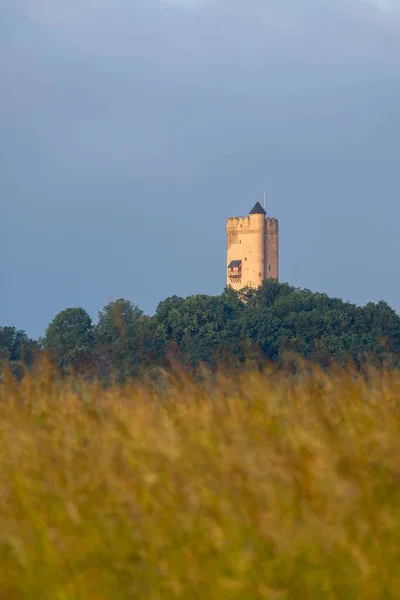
pixel 244 487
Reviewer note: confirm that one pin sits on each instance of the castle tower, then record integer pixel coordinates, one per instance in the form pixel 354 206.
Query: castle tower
pixel 272 249
pixel 252 249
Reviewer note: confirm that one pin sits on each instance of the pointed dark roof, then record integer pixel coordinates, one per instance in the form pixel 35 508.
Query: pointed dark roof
pixel 257 210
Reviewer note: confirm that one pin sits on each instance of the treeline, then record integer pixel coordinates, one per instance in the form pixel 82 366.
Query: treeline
pixel 271 323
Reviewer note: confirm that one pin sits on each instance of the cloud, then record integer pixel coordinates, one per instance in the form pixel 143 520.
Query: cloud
pixel 148 82
pixel 109 62
pixel 80 14
pixel 389 5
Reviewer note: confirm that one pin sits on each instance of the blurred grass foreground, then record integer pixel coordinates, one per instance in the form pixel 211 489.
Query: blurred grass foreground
pixel 243 486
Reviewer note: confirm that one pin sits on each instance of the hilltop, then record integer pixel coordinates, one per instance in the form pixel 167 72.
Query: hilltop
pixel 266 324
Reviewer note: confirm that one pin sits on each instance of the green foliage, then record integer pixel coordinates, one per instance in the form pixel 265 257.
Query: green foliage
pixel 198 326
pixel 116 340
pixel 69 337
pixel 17 350
pixel 269 323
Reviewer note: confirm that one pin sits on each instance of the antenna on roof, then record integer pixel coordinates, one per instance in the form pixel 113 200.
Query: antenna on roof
pixel 265 202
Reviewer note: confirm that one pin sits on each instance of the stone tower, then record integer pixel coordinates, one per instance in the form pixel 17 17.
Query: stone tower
pixel 252 248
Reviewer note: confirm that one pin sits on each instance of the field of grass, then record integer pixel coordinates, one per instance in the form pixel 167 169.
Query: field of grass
pixel 249 487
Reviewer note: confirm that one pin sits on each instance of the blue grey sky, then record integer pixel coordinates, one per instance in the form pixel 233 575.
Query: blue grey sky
pixel 131 129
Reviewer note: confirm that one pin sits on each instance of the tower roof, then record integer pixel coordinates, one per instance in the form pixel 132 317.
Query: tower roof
pixel 257 210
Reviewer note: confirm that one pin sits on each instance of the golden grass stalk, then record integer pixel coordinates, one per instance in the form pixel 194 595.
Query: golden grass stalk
pixel 246 486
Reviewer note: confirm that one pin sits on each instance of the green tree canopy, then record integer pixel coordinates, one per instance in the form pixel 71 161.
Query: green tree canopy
pixel 116 336
pixel 17 350
pixel 199 326
pixel 269 323
pixel 69 337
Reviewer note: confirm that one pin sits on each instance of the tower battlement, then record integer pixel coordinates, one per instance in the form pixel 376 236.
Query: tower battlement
pixel 244 221
pixel 252 249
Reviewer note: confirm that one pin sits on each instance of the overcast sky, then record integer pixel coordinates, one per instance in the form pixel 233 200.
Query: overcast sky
pixel 131 129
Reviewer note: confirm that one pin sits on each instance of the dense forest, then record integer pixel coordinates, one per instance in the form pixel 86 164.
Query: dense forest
pixel 267 324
